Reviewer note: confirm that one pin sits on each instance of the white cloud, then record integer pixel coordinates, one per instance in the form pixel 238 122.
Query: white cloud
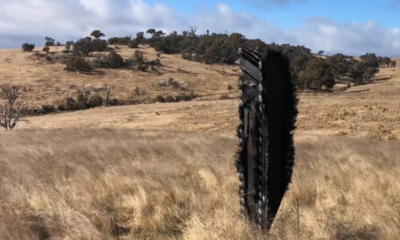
pixel 32 20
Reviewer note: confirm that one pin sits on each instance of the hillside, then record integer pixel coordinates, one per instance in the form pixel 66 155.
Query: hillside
pixel 46 83
pixel 165 170
pixel 368 110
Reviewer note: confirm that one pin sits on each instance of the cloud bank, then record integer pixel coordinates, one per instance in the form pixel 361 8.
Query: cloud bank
pixel 30 21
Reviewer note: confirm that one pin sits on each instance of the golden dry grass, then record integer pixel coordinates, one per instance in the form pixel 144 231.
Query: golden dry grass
pixel 165 171
pixel 93 183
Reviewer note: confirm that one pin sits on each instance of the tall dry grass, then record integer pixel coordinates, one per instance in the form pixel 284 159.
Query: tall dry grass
pixel 125 184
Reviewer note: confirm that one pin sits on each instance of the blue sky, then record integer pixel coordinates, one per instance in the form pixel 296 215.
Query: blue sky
pixel 351 27
pixel 293 13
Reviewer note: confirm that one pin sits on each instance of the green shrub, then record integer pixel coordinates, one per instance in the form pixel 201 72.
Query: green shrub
pixel 170 98
pixel 76 63
pixel 26 47
pixel 48 108
pixel 46 49
pixel 96 100
pixel 133 44
pixel 114 60
pixel 160 98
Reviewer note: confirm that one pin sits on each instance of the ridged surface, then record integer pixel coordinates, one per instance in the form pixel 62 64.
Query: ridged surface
pixel 267 113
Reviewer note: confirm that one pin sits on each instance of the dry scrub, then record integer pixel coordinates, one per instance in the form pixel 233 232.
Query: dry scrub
pixel 105 183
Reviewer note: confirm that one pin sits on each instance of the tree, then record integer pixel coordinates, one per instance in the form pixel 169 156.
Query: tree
pixel 338 65
pixel 393 64
pixel 192 32
pixel 316 74
pixel 108 89
pixel 321 52
pixel 13 108
pixel 153 36
pixel 362 72
pixel 49 41
pixel 386 61
pixel 159 34
pixel 140 37
pixel 26 47
pixel 97 34
pixel 68 45
pixel 151 31
pixel 98 45
pixel 371 59
pixel 83 46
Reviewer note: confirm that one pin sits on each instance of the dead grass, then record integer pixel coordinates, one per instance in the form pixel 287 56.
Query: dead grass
pixel 105 183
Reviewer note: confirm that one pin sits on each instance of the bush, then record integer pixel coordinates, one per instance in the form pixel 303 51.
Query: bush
pixel 156 62
pixel 76 63
pixel 48 108
pixel 26 47
pixel 187 56
pixel 114 60
pixel 138 60
pixel 48 58
pixel 96 101
pixel 133 44
pixel 46 49
pixel 160 98
pixel 170 98
pixel 82 100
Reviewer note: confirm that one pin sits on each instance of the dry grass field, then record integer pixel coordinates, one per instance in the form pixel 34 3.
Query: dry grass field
pixel 165 171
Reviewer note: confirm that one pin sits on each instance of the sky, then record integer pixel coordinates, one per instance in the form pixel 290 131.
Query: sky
pixel 351 27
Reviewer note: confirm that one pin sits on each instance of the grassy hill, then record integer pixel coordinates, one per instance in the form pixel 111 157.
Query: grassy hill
pixel 165 170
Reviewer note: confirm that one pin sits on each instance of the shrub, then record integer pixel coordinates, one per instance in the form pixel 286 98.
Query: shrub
pixel 96 101
pixel 114 60
pixel 133 44
pixel 224 97
pixel 46 49
pixel 160 98
pixel 26 47
pixel 76 63
pixel 170 98
pixel 156 62
pixel 48 58
pixel 82 99
pixel 48 108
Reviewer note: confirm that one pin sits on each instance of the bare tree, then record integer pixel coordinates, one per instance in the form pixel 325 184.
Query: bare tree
pixel 193 30
pixel 13 107
pixel 107 92
pixel 68 97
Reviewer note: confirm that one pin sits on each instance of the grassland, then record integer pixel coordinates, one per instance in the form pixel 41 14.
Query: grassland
pixel 165 171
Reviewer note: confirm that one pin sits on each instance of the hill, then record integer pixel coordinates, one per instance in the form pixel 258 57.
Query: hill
pixel 46 82
pixel 369 110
